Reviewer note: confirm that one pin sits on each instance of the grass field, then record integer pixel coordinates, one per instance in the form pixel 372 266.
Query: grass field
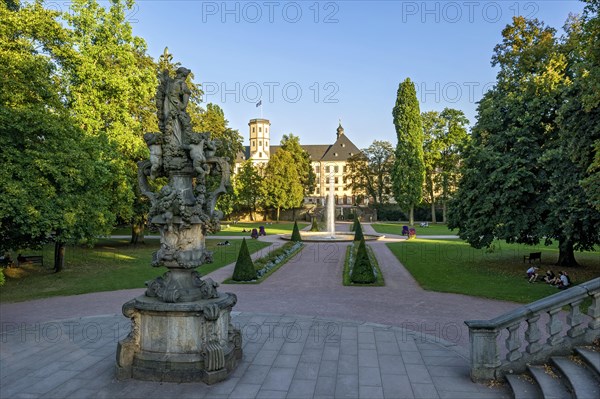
pixel 110 265
pixel 453 266
pixel 396 228
pixel 230 229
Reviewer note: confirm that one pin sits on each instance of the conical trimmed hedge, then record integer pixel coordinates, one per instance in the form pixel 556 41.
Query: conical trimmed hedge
pixel 244 267
pixel 314 226
pixel 358 233
pixel 362 272
pixel 353 227
pixel 296 233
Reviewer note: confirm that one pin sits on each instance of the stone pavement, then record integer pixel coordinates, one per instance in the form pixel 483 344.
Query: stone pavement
pixel 305 335
pixel 284 357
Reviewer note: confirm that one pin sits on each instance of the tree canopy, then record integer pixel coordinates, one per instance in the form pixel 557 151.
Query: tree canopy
pixel 408 174
pixel 369 172
pixel 56 179
pixel 520 182
pixel 282 188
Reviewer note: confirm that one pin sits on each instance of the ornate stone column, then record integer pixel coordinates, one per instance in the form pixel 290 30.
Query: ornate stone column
pixel 181 328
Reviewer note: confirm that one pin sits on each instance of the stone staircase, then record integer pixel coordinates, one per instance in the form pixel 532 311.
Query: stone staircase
pixel 575 376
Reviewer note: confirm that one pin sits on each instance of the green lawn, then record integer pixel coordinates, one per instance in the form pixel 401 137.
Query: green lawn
pixel 110 265
pixel 230 229
pixel 396 228
pixel 453 266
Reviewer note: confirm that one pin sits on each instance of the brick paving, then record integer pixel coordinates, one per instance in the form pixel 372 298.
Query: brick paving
pixel 305 335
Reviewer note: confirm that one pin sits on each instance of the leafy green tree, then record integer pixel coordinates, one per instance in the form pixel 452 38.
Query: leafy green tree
pixel 408 174
pixel 362 271
pixel 247 185
pixel 444 137
pixel 55 180
pixel 282 188
pixel 213 121
pixel 308 178
pixel 580 115
pixel 244 267
pixel 111 86
pixel 296 233
pixel 518 183
pixel 369 172
pixel 433 128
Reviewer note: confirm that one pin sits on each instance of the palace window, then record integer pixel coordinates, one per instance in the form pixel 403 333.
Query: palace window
pixel 253 143
pixel 260 154
pixel 260 129
pixel 336 168
pixel 253 129
pixel 259 143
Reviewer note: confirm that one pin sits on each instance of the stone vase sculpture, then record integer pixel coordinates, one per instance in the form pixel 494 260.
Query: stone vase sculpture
pixel 181 329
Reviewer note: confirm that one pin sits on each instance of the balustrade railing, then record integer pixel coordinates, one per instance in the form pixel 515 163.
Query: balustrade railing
pixel 524 338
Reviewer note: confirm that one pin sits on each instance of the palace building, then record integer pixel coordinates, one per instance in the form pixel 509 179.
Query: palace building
pixel 327 160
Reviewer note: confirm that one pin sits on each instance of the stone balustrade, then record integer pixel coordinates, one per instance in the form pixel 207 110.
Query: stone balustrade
pixel 524 338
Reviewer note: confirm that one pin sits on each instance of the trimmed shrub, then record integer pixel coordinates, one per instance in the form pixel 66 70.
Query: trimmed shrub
pixel 358 233
pixel 244 268
pixel 362 272
pixel 314 225
pixel 353 227
pixel 296 233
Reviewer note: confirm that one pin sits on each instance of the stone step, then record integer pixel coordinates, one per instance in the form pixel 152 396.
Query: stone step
pixel 551 382
pixel 583 382
pixel 591 357
pixel 524 387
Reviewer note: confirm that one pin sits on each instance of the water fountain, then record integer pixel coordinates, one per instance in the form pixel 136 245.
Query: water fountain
pixel 330 235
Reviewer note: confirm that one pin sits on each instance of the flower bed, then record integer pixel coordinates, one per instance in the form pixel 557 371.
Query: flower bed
pixel 349 262
pixel 267 265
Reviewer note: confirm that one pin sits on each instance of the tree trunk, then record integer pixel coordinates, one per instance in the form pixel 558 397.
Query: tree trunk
pixel 444 212
pixel 59 256
pixel 411 216
pixel 278 214
pixel 566 254
pixel 137 233
pixel 433 218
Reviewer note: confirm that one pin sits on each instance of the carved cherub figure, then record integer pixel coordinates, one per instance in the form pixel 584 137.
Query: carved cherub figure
pixel 196 147
pixel 154 141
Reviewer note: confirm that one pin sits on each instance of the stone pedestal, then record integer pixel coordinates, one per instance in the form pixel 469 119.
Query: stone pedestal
pixel 179 342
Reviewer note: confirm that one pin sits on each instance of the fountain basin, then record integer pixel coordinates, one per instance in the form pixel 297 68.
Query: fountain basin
pixel 312 236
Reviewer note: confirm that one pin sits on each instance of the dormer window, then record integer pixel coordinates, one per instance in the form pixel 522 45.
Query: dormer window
pixel 343 144
pixel 335 154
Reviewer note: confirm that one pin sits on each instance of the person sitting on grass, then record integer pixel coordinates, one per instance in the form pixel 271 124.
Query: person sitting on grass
pixel 550 277
pixel 532 274
pixel 563 281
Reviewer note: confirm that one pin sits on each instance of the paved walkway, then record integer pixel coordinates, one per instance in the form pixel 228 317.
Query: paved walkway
pixel 305 335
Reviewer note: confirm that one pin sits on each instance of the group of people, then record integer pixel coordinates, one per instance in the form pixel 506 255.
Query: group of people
pixel 561 281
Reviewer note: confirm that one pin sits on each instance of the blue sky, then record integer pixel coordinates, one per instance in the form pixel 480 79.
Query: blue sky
pixel 313 63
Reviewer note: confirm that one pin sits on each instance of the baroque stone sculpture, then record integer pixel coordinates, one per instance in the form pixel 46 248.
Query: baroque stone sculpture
pixel 181 328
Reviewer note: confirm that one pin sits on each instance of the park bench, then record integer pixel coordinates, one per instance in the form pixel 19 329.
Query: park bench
pixel 532 257
pixel 33 259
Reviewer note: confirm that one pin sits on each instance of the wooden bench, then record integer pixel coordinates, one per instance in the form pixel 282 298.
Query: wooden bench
pixel 33 259
pixel 533 256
